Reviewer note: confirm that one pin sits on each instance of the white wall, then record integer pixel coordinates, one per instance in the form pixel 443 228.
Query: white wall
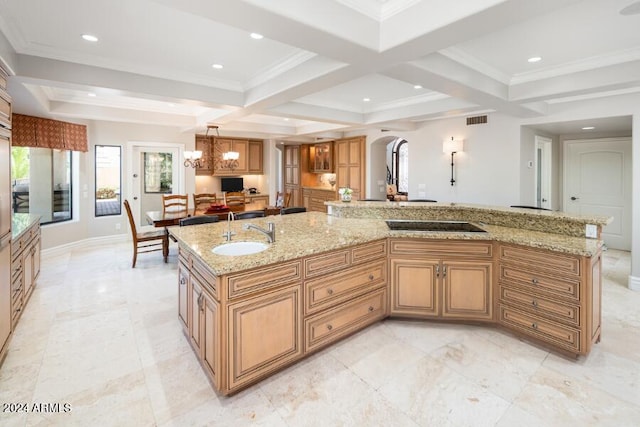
pixel 487 172
pixel 108 133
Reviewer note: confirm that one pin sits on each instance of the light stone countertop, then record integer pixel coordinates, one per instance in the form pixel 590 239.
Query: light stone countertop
pixel 20 222
pixel 299 235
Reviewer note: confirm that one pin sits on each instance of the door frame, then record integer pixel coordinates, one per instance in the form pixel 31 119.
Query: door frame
pixel 179 186
pixel 544 172
pixel 566 171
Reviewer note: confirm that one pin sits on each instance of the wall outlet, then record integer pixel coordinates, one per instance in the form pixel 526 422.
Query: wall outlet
pixel 592 231
pixel 381 189
pixel 118 226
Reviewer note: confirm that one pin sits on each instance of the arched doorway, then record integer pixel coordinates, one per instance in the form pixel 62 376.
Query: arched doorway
pixel 388 165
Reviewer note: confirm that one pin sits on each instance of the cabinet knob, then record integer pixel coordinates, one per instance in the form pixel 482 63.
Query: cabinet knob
pixel 330 291
pixel 534 325
pixel 370 276
pixel 534 303
pixel 183 281
pixel 370 308
pixel 534 281
pixel 329 327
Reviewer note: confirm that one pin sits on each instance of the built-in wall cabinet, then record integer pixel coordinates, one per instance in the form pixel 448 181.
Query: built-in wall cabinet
pixel 250 160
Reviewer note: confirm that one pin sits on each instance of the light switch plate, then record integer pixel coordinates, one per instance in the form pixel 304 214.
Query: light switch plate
pixel 592 231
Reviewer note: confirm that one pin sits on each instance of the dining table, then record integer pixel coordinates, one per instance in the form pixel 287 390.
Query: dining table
pixel 167 219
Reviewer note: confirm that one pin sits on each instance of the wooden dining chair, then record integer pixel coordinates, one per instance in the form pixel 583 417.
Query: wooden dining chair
pixel 202 201
pixel 175 204
pixel 248 214
pixel 235 200
pixel 149 241
pixel 283 199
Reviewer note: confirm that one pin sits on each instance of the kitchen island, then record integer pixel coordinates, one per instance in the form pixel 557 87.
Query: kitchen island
pixel 326 277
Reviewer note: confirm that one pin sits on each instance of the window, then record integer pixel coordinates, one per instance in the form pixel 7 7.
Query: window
pixel 158 173
pixel 108 180
pixel 41 183
pixel 399 174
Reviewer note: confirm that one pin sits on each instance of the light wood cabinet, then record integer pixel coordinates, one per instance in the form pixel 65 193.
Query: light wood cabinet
pixel 350 165
pixel 553 298
pixel 267 334
pixel 25 268
pixel 250 161
pixel 443 279
pixel 295 162
pixel 314 198
pixel 321 157
pixel 255 158
pixel 345 291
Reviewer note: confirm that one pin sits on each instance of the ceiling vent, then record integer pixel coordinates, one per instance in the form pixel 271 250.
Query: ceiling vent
pixel 477 120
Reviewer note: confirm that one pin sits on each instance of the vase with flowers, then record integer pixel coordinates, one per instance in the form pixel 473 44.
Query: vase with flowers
pixel 345 194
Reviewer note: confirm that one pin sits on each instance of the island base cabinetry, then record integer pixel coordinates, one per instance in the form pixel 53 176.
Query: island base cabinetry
pixel 551 297
pixel 441 279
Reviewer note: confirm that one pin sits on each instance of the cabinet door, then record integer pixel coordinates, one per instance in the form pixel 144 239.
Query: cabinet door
pixel 292 165
pixel 204 144
pixel 254 157
pixel 467 291
pixel 223 145
pixel 27 271
pixel 210 338
pixel 195 306
pixel 255 352
pixel 36 258
pixel 414 290
pixel 183 295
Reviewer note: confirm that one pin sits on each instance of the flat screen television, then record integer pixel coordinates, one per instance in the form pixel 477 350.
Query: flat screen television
pixel 231 184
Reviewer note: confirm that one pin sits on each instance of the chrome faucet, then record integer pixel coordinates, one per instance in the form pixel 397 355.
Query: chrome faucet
pixel 270 233
pixel 227 234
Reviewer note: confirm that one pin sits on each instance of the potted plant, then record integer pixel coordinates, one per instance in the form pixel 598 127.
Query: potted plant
pixel 345 194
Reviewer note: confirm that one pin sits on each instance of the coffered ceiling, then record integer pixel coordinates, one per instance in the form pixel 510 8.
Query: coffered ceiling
pixel 322 67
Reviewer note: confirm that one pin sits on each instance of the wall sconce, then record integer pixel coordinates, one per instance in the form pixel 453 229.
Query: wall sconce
pixel 452 146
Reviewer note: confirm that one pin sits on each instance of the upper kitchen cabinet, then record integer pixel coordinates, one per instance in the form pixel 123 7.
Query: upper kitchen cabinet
pixel 321 158
pixel 350 165
pixel 249 162
pixel 204 144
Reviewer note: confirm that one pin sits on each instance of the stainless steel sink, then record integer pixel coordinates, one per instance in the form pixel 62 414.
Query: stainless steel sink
pixel 441 226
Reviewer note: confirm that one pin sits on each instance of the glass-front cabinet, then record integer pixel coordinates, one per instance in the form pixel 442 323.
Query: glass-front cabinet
pixel 322 157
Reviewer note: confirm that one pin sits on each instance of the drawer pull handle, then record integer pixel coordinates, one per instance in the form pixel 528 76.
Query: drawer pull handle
pixel 534 281
pixel 329 327
pixel 534 303
pixel 534 325
pixel 370 276
pixel 330 291
pixel 370 308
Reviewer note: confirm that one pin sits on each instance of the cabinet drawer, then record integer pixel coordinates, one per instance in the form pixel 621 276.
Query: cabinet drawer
pixel 441 248
pixel 553 333
pixel 369 251
pixel 207 278
pixel 545 260
pixel 567 313
pixel 534 282
pixel 264 278
pixel 325 328
pixel 326 263
pixel 334 288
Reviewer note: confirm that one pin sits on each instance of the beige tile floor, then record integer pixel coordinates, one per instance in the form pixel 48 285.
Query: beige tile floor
pixel 105 339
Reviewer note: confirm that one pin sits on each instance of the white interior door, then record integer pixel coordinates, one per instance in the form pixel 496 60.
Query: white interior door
pixel 598 181
pixel 148 181
pixel 543 172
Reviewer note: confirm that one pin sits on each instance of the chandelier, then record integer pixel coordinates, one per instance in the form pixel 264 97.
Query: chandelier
pixel 221 160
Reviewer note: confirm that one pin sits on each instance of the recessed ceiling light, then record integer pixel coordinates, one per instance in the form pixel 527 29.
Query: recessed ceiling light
pixel 218 66
pixel 286 119
pixel 89 38
pixel 366 99
pixel 91 94
pixel 535 59
pixel 256 36
pixel 171 104
pixel 588 128
pixel 417 87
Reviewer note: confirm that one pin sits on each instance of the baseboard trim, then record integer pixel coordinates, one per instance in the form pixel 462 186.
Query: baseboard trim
pixel 85 243
pixel 634 283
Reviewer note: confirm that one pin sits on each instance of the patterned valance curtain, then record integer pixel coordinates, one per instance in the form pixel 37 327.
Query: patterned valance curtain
pixel 29 131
